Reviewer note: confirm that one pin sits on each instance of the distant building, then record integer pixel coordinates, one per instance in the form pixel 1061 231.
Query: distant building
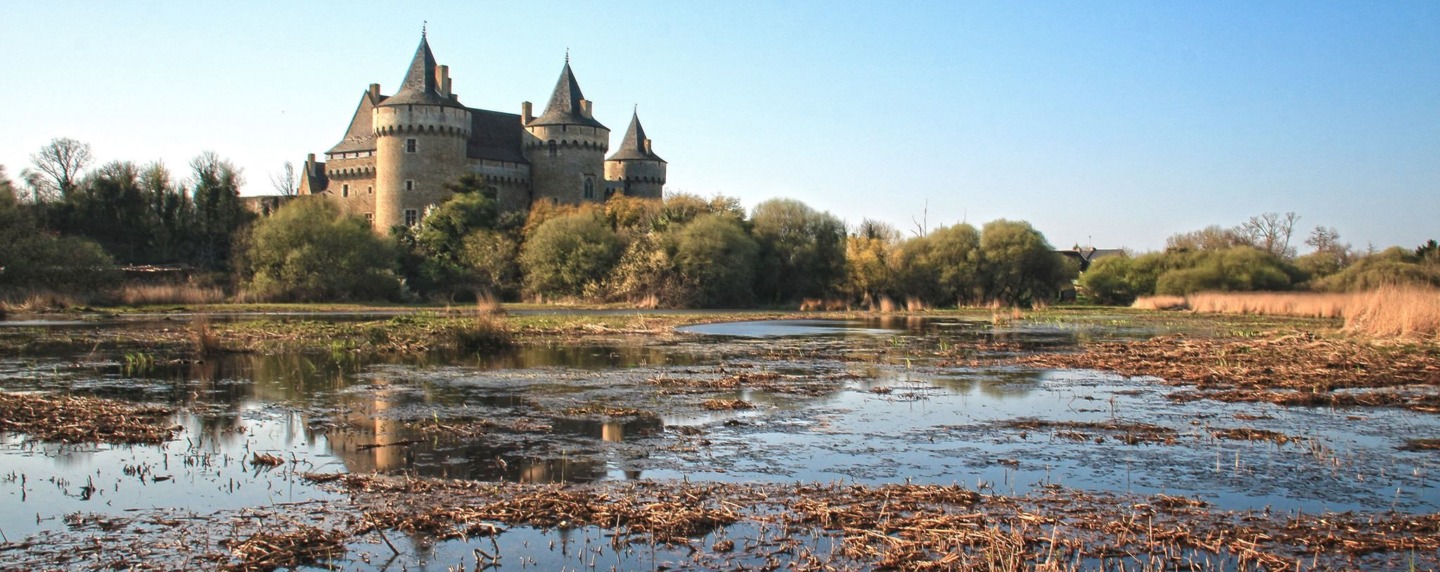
pixel 400 150
pixel 1088 255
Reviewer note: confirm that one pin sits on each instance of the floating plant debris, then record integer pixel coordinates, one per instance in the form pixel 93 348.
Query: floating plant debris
pixel 71 419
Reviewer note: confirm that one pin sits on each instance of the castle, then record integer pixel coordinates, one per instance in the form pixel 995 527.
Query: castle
pixel 400 150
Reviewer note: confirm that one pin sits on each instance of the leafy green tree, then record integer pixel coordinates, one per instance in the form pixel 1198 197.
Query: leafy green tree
pixel 435 266
pixel 646 269
pixel 110 207
pixel 942 267
pixel 308 252
pixel 802 252
pixel 1020 266
pixel 34 260
pixel 716 260
pixel 219 214
pixel 490 257
pixel 870 261
pixel 1118 280
pixel 568 254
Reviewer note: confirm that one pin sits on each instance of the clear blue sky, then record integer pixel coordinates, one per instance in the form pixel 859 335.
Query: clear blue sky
pixel 1118 122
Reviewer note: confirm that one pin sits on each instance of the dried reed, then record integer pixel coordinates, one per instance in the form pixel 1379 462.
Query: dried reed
pixel 1390 311
pixel 149 294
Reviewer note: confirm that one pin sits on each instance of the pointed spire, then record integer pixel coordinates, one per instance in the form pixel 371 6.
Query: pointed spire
pixel 420 85
pixel 633 146
pixel 565 107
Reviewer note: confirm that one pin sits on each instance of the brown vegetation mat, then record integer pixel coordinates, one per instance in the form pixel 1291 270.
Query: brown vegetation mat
pixel 902 526
pixel 763 381
pixel 755 526
pixel 1293 369
pixel 68 419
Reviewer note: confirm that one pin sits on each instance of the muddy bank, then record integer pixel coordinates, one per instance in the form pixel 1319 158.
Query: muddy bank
pixel 1282 368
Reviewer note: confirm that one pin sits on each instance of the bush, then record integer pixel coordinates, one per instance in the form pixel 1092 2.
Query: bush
pixel 1020 267
pixel 1392 267
pixel 34 261
pixel 569 253
pixel 716 261
pixel 1239 269
pixel 802 252
pixel 308 252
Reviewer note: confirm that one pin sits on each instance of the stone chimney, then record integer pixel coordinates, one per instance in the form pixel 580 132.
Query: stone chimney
pixel 444 73
pixel 587 108
pixel 525 115
pixel 375 91
pixel 647 147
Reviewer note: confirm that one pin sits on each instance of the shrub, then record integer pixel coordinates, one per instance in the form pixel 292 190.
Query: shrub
pixel 569 253
pixel 307 251
pixel 716 261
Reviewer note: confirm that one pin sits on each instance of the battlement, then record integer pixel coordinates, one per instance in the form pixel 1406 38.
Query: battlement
pixel 421 120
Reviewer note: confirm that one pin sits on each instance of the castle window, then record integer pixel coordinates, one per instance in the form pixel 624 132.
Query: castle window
pixel 553 148
pixel 369 190
pixel 370 219
pixel 410 145
pixel 412 216
pixel 345 190
pixel 589 187
pixel 409 184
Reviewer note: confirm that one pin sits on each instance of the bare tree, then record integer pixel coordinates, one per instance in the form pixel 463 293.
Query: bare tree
pixel 1271 232
pixel 284 181
pixel 58 167
pixel 1209 238
pixel 1324 239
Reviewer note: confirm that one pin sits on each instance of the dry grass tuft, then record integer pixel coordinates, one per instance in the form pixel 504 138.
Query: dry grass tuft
pixel 886 304
pixel 204 339
pixel 486 304
pixel 1160 303
pixel 151 294
pixel 915 305
pixel 36 301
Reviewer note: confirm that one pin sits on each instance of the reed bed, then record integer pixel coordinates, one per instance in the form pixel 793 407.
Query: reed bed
pixel 155 294
pixel 1391 311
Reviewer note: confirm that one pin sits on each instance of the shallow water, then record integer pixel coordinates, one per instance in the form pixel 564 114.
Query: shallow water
pixel 875 409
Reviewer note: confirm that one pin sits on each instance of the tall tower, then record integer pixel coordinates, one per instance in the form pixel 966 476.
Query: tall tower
pixel 420 139
pixel 566 146
pixel 634 168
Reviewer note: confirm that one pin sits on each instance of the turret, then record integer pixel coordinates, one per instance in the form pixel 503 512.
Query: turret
pixel 420 139
pixel 635 170
pixel 566 146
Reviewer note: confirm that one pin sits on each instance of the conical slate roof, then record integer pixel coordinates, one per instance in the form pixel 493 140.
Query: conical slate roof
pixel 419 86
pixel 564 106
pixel 632 147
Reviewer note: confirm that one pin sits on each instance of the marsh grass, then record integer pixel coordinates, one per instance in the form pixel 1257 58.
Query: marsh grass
pixel 37 301
pixel 152 294
pixel 1390 311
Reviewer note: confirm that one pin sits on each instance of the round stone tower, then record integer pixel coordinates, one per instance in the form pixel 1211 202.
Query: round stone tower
pixel 566 146
pixel 420 139
pixel 635 169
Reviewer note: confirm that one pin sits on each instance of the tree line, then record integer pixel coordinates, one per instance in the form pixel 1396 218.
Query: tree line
pixel 1257 255
pixel 680 251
